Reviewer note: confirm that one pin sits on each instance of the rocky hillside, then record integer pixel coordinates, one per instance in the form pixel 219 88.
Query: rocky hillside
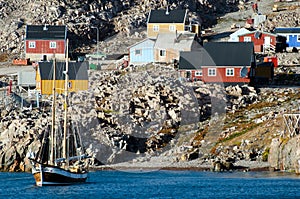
pixel 141 113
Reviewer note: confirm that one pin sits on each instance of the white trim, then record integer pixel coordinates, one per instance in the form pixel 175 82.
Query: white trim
pixel 52 44
pixel 172 28
pixel 247 39
pixel 155 28
pixel 31 44
pixel 137 54
pixel 227 72
pixel 198 73
pixel 162 50
pixel 212 74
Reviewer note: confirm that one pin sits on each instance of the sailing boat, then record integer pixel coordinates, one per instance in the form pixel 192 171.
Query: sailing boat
pixel 60 160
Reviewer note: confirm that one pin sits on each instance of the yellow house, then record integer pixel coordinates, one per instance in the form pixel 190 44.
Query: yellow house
pixel 169 21
pixel 78 77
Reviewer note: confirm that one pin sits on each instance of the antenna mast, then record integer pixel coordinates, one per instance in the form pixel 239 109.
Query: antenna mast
pixel 65 155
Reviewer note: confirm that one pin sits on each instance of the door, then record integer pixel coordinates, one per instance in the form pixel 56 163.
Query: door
pixel 267 42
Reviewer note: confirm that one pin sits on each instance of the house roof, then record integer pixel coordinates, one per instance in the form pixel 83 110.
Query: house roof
pixel 256 32
pixel 161 16
pixel 143 41
pixel 230 53
pixel 77 70
pixel 218 54
pixel 178 41
pixel 240 31
pixel 44 32
pixel 287 30
pixel 191 60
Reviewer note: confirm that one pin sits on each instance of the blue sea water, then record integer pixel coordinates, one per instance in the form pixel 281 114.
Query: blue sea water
pixel 159 185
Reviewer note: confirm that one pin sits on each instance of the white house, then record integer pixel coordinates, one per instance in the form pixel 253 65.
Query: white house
pixel 234 37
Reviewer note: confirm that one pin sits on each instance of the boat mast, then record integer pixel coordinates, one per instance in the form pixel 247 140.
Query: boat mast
pixel 66 108
pixel 53 113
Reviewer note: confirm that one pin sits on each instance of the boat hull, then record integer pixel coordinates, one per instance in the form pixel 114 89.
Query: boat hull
pixel 51 175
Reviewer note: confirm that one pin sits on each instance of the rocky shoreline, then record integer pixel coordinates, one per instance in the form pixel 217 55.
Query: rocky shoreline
pixel 196 165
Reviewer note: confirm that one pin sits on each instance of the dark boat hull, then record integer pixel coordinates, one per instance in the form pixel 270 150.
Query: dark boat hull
pixel 52 175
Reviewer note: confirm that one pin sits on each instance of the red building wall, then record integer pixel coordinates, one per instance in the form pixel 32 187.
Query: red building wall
pixel 43 46
pixel 258 42
pixel 221 75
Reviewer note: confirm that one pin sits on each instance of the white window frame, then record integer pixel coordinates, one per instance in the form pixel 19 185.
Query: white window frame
pixel 298 38
pixel 155 28
pixel 31 44
pixel 229 72
pixel 138 54
pixel 198 73
pixel 162 52
pixel 172 28
pixel 52 44
pixel 247 39
pixel 211 72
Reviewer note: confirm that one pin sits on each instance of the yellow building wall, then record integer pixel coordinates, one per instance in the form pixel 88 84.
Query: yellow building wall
pixel 163 28
pixel 76 85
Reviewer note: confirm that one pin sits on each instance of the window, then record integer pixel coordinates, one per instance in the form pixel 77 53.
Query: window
pixel 229 71
pixel 69 84
pixel 52 44
pixel 212 72
pixel 298 38
pixel 247 39
pixel 162 53
pixel 155 28
pixel 172 28
pixel 138 52
pixel 31 44
pixel 198 73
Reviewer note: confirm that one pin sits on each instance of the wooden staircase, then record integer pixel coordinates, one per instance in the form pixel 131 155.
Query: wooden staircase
pixel 269 49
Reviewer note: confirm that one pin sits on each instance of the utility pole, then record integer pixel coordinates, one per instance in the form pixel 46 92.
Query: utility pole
pixel 97 44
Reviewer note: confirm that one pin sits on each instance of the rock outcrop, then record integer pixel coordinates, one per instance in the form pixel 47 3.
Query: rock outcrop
pixel 109 16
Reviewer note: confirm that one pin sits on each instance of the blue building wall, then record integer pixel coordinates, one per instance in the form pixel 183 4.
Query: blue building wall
pixel 293 40
pixel 292 35
pixel 146 47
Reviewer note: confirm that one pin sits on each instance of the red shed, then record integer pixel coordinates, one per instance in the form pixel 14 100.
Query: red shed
pixel 262 40
pixel 45 42
pixel 226 62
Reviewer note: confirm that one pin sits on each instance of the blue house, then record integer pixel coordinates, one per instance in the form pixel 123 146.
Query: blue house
pixel 142 52
pixel 292 35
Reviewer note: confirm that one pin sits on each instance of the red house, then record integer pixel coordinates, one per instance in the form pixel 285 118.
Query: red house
pixel 219 62
pixel 264 41
pixel 45 42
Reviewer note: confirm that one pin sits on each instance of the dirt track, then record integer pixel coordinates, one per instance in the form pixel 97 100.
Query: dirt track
pixel 10 70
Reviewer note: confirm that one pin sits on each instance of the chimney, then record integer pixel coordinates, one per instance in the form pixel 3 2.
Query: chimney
pixel 167 11
pixel 45 27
